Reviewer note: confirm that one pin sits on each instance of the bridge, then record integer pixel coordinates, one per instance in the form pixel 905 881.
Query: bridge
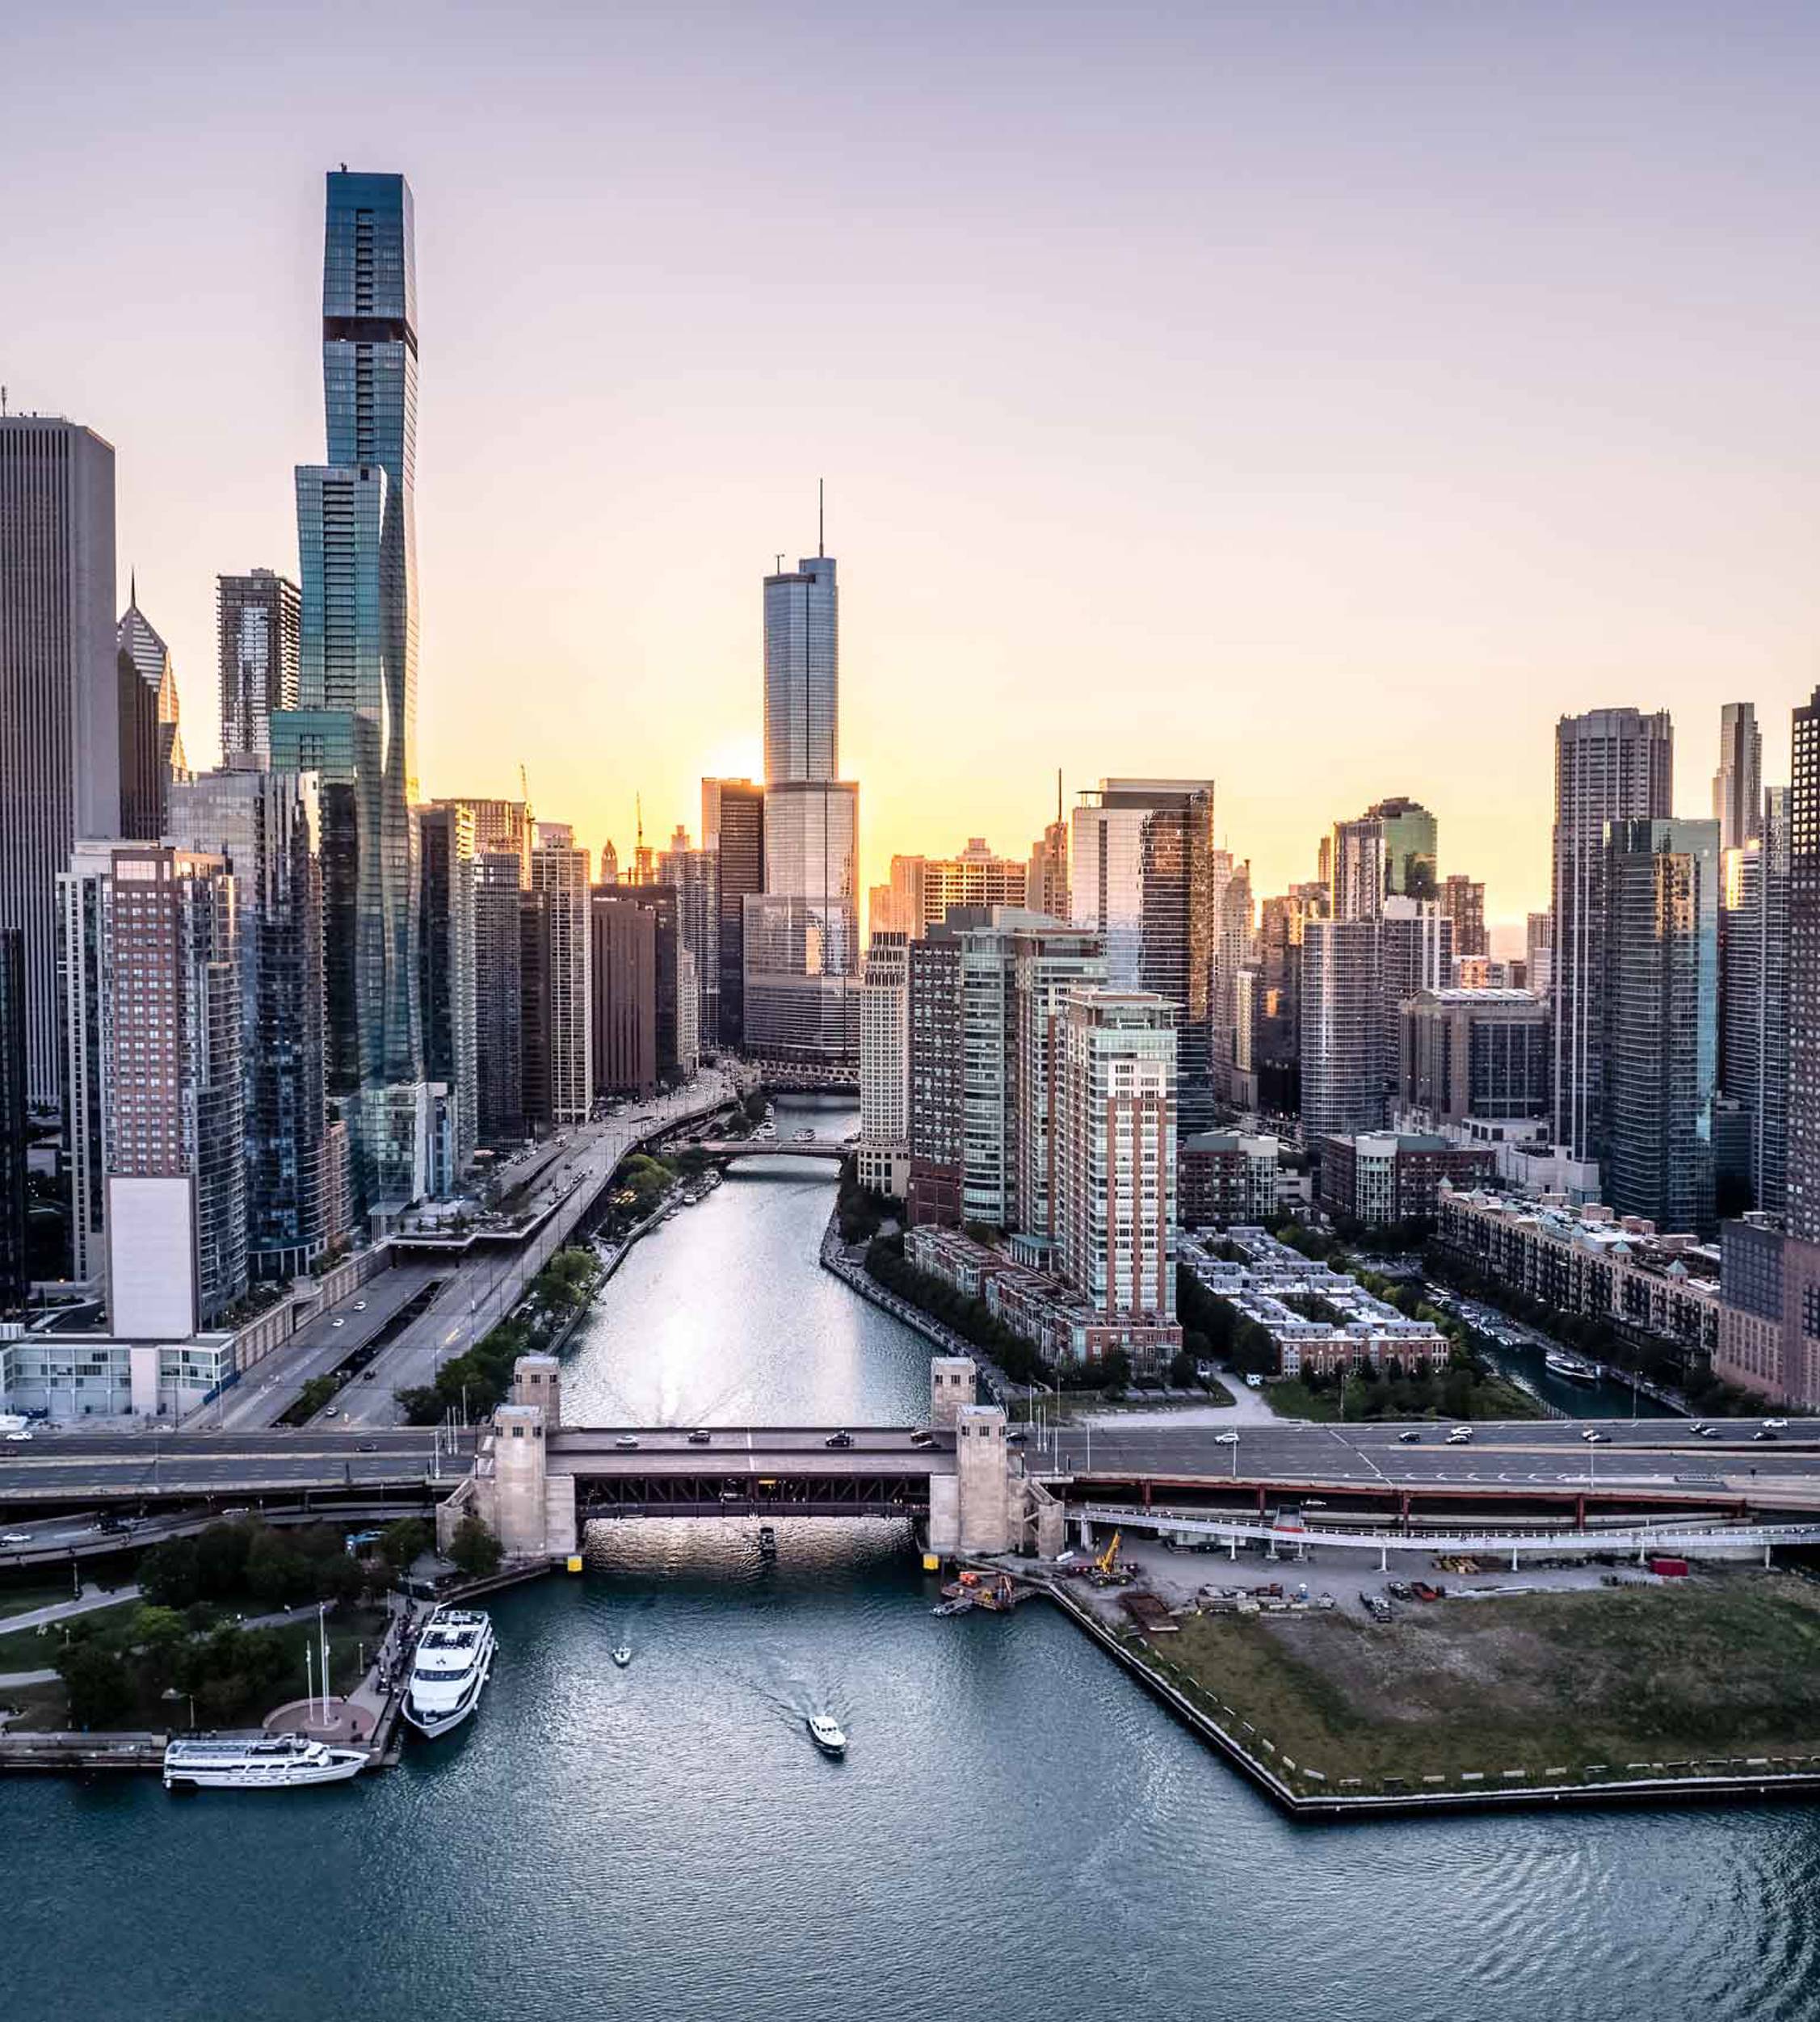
pixel 725 1150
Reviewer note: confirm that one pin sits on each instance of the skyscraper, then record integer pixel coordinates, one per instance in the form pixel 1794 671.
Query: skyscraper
pixel 732 826
pixel 1738 786
pixel 1342 1027
pixel 1391 848
pixel 257 621
pixel 885 1041
pixel 1463 901
pixel 1050 963
pixel 1754 998
pixel 623 1015
pixel 1611 765
pixel 14 1273
pixel 802 934
pixel 1660 1071
pixel 152 754
pixel 923 888
pixel 446 965
pixel 694 876
pixel 1045 885
pixel 498 997
pixel 59 760
pixel 559 875
pixel 265 826
pixel 1143 880
pixel 355 723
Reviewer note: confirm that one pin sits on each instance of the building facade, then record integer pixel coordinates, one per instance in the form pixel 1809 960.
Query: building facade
pixel 1474 1052
pixel 447 857
pixel 1462 899
pixel 1225 1176
pixel 498 999
pixel 559 877
pixel 1341 1027
pixel 15 1257
pixel 732 826
pixel 1754 1013
pixel 258 621
pixel 923 888
pixel 884 1042
pixel 1738 785
pixel 1378 1178
pixel 59 773
pixel 625 1018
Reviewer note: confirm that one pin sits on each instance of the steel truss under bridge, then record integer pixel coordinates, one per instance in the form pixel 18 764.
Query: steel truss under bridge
pixel 885 1495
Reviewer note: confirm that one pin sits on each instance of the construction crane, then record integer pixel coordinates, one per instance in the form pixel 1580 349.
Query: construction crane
pixel 1108 1560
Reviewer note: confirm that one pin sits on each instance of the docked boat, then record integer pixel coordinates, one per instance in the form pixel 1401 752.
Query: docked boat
pixel 1570 1368
pixel 622 1655
pixel 257 1762
pixel 958 1605
pixel 453 1662
pixel 767 1543
pixel 826 1736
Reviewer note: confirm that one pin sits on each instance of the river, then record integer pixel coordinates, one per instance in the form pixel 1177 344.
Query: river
pixel 1017 1829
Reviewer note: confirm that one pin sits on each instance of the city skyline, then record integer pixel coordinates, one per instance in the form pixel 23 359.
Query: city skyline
pixel 1466 514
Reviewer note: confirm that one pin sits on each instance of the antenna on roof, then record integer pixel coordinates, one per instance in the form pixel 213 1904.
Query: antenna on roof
pixel 822 519
pixel 1058 793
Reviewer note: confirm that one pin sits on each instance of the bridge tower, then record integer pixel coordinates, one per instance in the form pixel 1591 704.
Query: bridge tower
pixel 537 1379
pixel 951 1380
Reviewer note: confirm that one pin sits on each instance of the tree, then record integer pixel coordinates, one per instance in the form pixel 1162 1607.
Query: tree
pixel 159 1634
pixel 220 1555
pixel 402 1544
pixel 474 1549
pixel 1115 1369
pixel 169 1575
pixel 277 1571
pixel 1181 1368
pixel 99 1686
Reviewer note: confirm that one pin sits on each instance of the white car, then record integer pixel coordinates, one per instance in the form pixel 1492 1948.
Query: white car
pixel 1461 1435
pixel 360 1306
pixel 338 1323
pixel 14 1539
pixel 1226 1438
pixel 18 1438
pixel 1775 1425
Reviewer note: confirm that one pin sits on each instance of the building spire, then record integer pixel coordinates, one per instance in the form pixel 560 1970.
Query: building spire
pixel 822 519
pixel 132 589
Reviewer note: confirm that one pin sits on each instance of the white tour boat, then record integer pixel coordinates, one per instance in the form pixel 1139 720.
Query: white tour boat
pixel 622 1655
pixel 259 1762
pixel 825 1735
pixel 454 1658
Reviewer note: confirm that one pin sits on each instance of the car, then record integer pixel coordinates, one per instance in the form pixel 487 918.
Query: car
pixel 1597 1438
pixel 1411 1438
pixel 1226 1438
pixel 1461 1435
pixel 333 1411
pixel 626 1442
pixel 1775 1425
pixel 1707 1432
pixel 920 1438
pixel 367 1375
pixel 338 1323
pixel 368 1446
pixel 14 1539
pixel 16 1439
pixel 1016 1436
pixel 700 1436
pixel 1761 1433
pixel 1700 1431
pixel 360 1306
pixel 838 1438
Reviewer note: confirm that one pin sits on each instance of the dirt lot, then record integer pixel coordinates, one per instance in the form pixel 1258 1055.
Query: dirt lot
pixel 1724 1664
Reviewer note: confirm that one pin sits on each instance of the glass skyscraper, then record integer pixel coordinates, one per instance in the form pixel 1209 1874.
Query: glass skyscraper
pixel 802 673
pixel 356 715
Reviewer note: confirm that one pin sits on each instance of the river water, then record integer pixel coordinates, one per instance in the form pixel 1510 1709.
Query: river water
pixel 1017 1829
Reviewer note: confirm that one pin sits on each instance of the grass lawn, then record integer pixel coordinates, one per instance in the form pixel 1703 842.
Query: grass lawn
pixel 1721 1665
pixel 23 1600
pixel 1495 1396
pixel 25 1649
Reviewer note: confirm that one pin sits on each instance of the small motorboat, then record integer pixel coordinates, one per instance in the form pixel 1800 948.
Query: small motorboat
pixel 958 1605
pixel 622 1655
pixel 825 1735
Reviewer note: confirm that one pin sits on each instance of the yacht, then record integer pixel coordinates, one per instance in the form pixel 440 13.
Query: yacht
pixel 825 1735
pixel 622 1656
pixel 257 1762
pixel 454 1657
pixel 1570 1367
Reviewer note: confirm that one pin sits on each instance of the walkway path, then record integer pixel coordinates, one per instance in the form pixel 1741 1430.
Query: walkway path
pixel 93 1597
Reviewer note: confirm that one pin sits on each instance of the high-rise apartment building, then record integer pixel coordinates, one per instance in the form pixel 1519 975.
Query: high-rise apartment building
pixel 1115 1163
pixel 923 888
pixel 266 827
pixel 936 1078
pixel 501 828
pixel 1475 1053
pixel 1538 968
pixel 355 723
pixel 1415 954
pixel 158 1013
pixel 1045 884
pixel 1269 1078
pixel 885 1041
pixel 624 1016
pixel 1660 1071
pixel 14 1265
pixel 1233 950
pixel 447 856
pixel 1341 1027
pixel 1738 786
pixel 1142 879
pixel 498 997
pixel 1754 1001
pixel 694 876
pixel 257 620
pixel 59 759
pixel 1611 765
pixel 559 875
pixel 1048 963
pixel 152 752
pixel 732 826
pixel 1463 901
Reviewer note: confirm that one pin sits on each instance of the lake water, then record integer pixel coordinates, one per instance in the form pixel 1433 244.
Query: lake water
pixel 1017 1829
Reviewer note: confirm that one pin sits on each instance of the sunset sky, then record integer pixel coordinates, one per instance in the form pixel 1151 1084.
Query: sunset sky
pixel 1319 398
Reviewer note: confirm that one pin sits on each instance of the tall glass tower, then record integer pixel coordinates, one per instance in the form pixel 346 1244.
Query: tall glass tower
pixel 356 721
pixel 802 674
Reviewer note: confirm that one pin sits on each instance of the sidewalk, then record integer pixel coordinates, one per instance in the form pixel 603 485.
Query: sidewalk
pixel 92 1599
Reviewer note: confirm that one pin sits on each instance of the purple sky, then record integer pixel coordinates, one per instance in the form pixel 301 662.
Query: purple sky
pixel 1319 397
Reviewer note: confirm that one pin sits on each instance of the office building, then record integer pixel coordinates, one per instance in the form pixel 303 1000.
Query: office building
pixel 356 721
pixel 801 935
pixel 559 877
pixel 1225 1176
pixel 1463 902
pixel 447 975
pixel 1142 879
pixel 257 620
pixel 732 826
pixel 623 1022
pixel 1391 849
pixel 1467 1053
pixel 1116 1156
pixel 694 876
pixel 152 754
pixel 1738 786
pixel 266 827
pixel 936 1078
pixel 498 997
pixel 501 828
pixel 1611 765
pixel 923 888
pixel 1233 950
pixel 1341 1027
pixel 1045 882
pixel 157 1014
pixel 15 1274
pixel 1661 987
pixel 60 772
pixel 1753 1006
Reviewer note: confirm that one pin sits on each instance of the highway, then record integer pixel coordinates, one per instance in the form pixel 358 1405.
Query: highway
pixel 110 1468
